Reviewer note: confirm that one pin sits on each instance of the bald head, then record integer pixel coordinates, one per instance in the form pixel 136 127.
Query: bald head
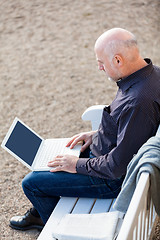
pixel 118 41
pixel 118 54
pixel 116 34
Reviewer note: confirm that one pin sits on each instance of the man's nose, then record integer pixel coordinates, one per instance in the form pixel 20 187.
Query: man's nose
pixel 101 67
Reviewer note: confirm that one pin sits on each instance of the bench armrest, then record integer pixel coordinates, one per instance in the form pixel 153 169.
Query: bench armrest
pixel 136 209
pixel 93 114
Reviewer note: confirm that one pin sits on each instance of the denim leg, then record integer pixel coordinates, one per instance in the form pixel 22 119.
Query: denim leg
pixel 44 188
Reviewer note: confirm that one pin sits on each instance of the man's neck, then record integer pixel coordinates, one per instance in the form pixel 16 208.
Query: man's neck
pixel 134 67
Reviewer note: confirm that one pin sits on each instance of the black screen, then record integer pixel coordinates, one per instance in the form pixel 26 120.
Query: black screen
pixel 24 143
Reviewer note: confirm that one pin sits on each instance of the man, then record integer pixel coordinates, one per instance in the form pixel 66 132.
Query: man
pixel 126 124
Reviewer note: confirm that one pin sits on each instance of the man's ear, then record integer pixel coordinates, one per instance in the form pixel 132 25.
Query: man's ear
pixel 118 60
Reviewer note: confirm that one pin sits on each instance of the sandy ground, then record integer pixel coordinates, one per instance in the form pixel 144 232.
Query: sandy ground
pixel 49 76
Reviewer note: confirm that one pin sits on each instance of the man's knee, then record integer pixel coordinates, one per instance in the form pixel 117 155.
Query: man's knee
pixel 27 181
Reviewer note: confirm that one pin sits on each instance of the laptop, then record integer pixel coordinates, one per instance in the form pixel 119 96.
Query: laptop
pixel 32 150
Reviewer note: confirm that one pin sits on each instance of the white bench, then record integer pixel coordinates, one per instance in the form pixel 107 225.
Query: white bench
pixel 138 222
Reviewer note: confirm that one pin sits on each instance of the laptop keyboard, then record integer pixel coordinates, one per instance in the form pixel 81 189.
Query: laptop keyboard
pixel 51 149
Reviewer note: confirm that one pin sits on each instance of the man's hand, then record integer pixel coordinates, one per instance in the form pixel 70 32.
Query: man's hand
pixel 85 136
pixel 68 163
pixel 65 163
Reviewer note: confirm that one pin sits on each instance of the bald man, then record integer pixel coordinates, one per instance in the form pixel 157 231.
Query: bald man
pixel 127 123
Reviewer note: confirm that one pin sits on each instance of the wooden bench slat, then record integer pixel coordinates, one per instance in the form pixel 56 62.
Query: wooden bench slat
pixel 83 205
pixel 101 205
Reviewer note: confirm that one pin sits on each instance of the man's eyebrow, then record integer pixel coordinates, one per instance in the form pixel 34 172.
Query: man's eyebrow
pixel 99 61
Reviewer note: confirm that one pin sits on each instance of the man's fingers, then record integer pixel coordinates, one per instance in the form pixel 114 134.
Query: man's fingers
pixel 84 146
pixel 57 169
pixel 70 141
pixel 56 161
pixel 64 163
pixel 53 164
pixel 76 140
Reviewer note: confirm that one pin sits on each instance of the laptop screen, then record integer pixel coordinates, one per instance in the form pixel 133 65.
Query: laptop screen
pixel 24 143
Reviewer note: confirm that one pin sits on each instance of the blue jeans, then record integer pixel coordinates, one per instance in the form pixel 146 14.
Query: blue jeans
pixel 44 189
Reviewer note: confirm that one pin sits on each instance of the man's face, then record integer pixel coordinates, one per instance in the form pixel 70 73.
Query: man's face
pixel 105 65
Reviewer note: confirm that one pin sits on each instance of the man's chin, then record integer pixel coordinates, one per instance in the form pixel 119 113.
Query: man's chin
pixel 111 79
